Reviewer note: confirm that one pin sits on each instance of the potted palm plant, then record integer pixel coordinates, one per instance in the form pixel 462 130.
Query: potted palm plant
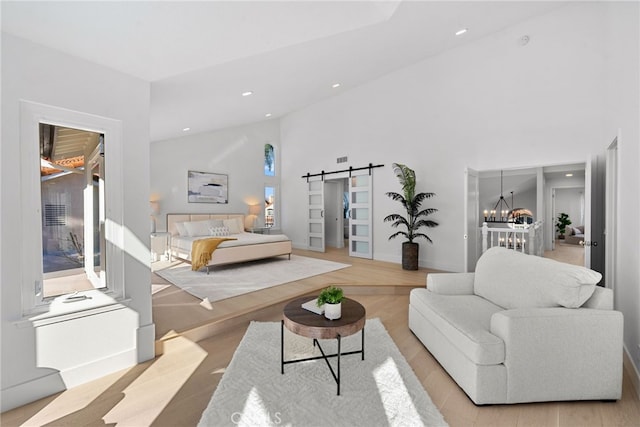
pixel 331 298
pixel 415 218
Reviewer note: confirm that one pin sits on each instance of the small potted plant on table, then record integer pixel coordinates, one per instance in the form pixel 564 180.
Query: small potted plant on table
pixel 331 298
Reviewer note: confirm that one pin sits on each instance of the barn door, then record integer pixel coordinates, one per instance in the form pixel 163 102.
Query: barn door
pixel 360 230
pixel 315 216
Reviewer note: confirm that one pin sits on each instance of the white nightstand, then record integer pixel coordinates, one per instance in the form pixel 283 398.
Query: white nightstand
pixel 161 239
pixel 259 230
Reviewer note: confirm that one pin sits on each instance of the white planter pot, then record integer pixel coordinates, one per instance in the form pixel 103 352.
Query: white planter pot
pixel 333 311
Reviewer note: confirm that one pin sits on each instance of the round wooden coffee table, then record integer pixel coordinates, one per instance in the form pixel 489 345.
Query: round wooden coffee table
pixel 315 326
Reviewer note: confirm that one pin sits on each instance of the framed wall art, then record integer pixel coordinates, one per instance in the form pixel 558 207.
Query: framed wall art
pixel 206 187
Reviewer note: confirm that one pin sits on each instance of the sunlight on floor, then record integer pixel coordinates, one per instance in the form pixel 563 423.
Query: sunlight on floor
pixel 255 413
pixel 395 397
pixel 71 401
pixel 165 376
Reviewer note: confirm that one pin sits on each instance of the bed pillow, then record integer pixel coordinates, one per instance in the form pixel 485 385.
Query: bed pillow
pixel 219 231
pixel 234 225
pixel 512 279
pixel 182 230
pixel 197 228
pixel 240 221
pixel 215 223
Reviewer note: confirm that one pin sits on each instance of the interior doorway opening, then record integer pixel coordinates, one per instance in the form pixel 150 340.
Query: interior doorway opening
pixel 336 207
pixel 339 203
pixel 537 188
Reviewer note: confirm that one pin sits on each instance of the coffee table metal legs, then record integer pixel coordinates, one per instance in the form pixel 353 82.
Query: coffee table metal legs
pixel 338 355
pixel 336 377
pixel 282 346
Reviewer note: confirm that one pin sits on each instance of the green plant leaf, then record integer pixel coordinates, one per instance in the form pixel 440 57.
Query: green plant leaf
pixel 411 203
pixel 330 295
pixel 407 178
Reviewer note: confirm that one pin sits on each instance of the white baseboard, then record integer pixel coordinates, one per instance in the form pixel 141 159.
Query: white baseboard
pixel 146 342
pixel 57 381
pixel 99 368
pixel 21 394
pixel 631 369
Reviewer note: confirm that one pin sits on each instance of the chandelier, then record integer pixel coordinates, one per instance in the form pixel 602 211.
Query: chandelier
pixel 501 211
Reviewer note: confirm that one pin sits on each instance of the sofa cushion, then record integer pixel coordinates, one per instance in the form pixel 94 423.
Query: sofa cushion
pixel 515 280
pixel 465 321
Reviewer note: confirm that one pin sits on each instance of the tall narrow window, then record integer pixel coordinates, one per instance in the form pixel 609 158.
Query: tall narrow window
pixel 269 160
pixel 72 205
pixel 269 206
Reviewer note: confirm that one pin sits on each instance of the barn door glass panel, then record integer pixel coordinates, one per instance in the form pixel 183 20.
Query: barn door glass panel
pixel 315 216
pixel 360 238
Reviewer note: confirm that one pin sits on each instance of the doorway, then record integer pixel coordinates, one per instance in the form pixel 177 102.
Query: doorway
pixel 536 187
pixel 338 203
pixel 336 211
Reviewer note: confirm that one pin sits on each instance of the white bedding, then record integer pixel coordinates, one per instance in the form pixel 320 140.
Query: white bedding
pixel 184 243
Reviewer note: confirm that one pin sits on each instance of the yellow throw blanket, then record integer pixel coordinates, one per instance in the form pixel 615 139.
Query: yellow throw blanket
pixel 202 249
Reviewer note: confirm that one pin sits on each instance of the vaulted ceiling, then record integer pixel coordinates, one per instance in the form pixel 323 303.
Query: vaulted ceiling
pixel 201 56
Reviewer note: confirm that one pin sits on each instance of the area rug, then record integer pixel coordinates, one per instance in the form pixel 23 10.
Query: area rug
pixel 237 279
pixel 382 390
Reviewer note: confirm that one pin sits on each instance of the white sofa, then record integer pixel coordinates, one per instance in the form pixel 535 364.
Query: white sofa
pixel 522 329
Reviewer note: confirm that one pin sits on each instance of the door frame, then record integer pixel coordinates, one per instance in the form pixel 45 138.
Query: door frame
pixel 611 212
pixel 472 218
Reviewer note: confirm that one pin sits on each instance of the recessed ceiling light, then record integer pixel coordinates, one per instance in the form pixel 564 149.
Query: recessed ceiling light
pixel 247 93
pixel 335 85
pixel 268 115
pixel 568 174
pixel 186 129
pixel 461 31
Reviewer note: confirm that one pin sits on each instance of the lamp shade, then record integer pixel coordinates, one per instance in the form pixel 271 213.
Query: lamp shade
pixel 155 207
pixel 254 209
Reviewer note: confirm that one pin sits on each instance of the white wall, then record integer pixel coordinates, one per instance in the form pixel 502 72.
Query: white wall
pixel 35 360
pixel 622 115
pixel 468 107
pixel 237 152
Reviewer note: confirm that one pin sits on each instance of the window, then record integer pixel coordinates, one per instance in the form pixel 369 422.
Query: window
pixel 269 160
pixel 71 178
pixel 270 187
pixel 269 206
pixel 68 173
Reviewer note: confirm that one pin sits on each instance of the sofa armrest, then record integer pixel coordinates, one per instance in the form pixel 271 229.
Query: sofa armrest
pixel 450 283
pixel 602 299
pixel 561 353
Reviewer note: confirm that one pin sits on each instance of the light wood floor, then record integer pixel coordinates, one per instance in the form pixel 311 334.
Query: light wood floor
pixel 566 252
pixel 175 387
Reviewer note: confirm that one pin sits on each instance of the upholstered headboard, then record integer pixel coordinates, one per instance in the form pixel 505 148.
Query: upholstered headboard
pixel 173 218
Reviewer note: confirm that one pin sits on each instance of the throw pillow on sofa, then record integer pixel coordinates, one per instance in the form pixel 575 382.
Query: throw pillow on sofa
pixel 512 279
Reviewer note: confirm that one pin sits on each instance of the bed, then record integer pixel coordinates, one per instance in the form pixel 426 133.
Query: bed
pixel 184 229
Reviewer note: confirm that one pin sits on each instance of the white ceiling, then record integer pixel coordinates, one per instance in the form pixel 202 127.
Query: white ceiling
pixel 200 56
